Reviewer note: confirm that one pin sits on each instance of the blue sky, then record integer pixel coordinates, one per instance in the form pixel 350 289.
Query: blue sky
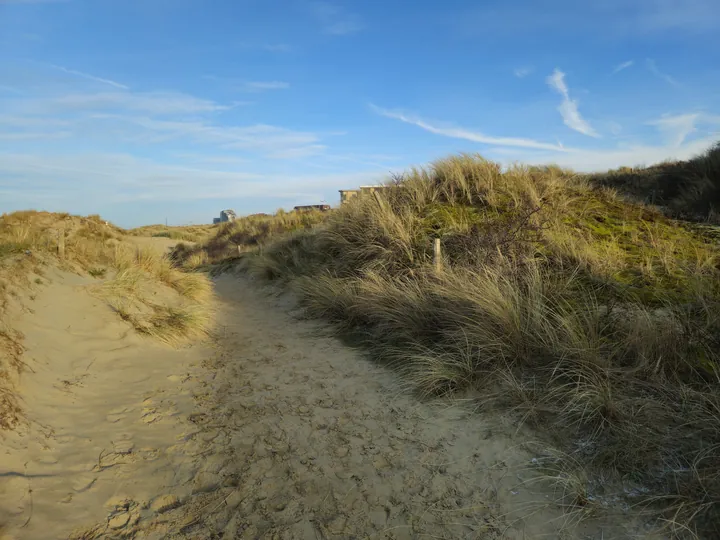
pixel 146 110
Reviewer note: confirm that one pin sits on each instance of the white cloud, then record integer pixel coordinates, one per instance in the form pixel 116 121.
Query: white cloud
pixel 21 128
pixel 10 89
pixel 335 20
pixel 30 135
pixel 90 77
pixel 100 177
pixel 511 149
pixel 569 107
pixel 622 66
pixel 595 160
pixel 676 128
pixel 277 47
pixel 266 140
pixel 608 19
pixel 148 118
pixel 614 127
pixel 260 86
pixel 461 133
pixel 160 103
pixel 297 153
pixel 522 72
pixel 652 66
pixel 30 1
pixel 213 159
pixel 248 86
pixel 668 15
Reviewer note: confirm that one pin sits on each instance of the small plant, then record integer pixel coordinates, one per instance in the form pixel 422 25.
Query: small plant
pixel 97 272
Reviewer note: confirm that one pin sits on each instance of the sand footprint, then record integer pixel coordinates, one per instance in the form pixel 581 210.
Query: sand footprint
pixel 83 482
pixel 149 413
pixel 117 414
pixel 124 512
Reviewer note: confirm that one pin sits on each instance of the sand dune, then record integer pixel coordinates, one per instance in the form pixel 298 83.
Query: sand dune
pixel 103 405
pixel 271 429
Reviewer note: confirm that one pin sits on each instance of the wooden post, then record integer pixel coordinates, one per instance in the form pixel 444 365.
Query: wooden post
pixel 378 199
pixel 437 255
pixel 61 243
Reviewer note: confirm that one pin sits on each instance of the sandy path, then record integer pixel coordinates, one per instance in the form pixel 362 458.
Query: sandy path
pixel 104 405
pixel 277 431
pixel 302 438
pixel 159 243
pixel 320 443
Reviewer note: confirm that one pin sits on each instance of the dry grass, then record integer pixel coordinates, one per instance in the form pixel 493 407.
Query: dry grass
pixel 594 319
pixel 243 235
pixel 686 189
pixel 141 272
pixel 174 325
pixel 188 233
pixel 29 242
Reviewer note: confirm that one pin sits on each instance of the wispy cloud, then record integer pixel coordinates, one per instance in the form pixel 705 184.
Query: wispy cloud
pixel 21 128
pixel 652 66
pixel 261 86
pixel 522 72
pixel 569 107
pixel 666 15
pixel 149 118
pixel 31 135
pixel 622 66
pixel 298 153
pixel 462 133
pixel 277 47
pixel 247 86
pixel 677 128
pixel 31 1
pixel 90 77
pixel 616 18
pixel 602 159
pixel 614 127
pixel 335 20
pixel 119 177
pixel 10 89
pixel 160 103
pixel 260 139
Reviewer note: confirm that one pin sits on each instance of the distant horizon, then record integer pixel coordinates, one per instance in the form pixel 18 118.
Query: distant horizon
pixel 288 208
pixel 139 110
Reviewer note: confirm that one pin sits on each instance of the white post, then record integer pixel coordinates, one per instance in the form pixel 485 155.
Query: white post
pixel 61 243
pixel 437 255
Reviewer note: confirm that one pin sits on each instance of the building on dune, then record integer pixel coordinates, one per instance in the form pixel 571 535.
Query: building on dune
pixel 310 207
pixel 347 194
pixel 225 216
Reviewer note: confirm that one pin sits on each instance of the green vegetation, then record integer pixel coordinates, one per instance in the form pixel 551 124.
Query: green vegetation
pixel 594 319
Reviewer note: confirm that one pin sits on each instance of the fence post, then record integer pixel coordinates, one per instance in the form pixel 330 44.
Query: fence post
pixel 61 242
pixel 437 255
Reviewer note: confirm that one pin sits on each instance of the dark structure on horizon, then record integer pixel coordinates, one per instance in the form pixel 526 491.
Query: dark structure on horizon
pixel 310 207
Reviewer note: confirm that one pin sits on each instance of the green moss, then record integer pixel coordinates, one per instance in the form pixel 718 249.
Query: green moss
pixel 12 248
pixel 444 219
